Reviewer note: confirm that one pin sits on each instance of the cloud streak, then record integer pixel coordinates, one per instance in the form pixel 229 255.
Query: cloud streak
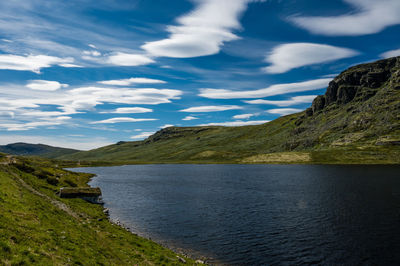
pixel 123 120
pixel 371 16
pixel 125 59
pixel 131 81
pixel 142 135
pixel 292 101
pixel 130 110
pixel 212 108
pixel 32 63
pixel 277 89
pixel 201 32
pixel 284 111
pixel 286 57
pixel 391 53
pixel 45 85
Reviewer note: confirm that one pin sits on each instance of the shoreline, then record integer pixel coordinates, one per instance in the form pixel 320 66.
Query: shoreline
pixel 118 223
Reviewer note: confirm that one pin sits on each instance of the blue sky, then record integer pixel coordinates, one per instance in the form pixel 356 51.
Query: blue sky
pixel 86 73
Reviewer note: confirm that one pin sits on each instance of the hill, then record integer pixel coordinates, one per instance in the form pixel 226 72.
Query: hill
pixel 356 121
pixel 35 150
pixel 39 228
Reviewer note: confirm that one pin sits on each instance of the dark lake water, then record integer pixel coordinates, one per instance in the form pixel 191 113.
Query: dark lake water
pixel 261 214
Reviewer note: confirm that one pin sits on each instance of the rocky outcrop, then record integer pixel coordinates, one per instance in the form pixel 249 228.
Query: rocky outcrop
pixel 359 83
pixel 175 132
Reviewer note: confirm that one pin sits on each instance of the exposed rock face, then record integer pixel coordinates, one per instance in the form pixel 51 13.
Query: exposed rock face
pixel 318 103
pixel 359 83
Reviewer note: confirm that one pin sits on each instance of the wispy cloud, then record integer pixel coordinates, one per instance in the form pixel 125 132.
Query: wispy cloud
pixel 32 125
pixel 292 101
pixel 124 59
pixel 370 16
pixel 243 116
pixel 45 85
pixel 166 125
pixel 142 135
pixel 284 111
pixel 293 55
pixel 32 63
pixel 212 108
pixel 237 123
pixel 189 118
pixel 391 53
pixel 277 89
pixel 130 81
pixel 201 32
pixel 21 107
pixel 129 110
pixel 123 120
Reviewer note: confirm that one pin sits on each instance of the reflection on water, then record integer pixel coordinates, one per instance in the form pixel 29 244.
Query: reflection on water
pixel 261 214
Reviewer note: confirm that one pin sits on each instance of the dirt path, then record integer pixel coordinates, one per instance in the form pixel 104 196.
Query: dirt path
pixel 58 204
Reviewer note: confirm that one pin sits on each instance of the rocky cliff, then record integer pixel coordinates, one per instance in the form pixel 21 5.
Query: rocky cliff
pixel 359 83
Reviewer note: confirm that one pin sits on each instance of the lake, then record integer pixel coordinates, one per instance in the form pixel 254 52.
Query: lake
pixel 260 214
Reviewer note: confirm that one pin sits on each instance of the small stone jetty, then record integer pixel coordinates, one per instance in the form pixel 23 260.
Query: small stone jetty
pixel 92 195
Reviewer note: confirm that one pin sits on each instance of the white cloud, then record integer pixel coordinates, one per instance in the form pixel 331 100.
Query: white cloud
pixel 189 118
pixel 122 120
pixel 292 101
pixel 284 111
pixel 124 59
pixel 32 125
pixel 142 135
pixel 293 55
pixel 20 105
pixel 45 85
pixel 276 89
pixel 130 110
pixel 92 46
pixel 243 116
pixel 201 32
pixel 70 65
pixel 130 81
pixel 370 17
pixel 92 53
pixel 391 53
pixel 31 62
pixel 167 125
pixel 201 109
pixel 237 123
pixel 87 97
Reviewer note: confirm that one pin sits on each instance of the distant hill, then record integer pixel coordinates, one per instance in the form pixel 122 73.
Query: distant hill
pixel 356 121
pixel 35 150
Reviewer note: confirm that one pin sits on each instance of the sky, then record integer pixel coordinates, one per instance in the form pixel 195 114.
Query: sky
pixel 88 73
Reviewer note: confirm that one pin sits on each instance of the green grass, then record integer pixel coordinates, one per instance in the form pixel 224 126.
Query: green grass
pixel 362 131
pixel 34 231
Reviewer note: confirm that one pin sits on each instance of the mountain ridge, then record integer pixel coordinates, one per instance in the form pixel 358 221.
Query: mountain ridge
pixel 357 120
pixel 27 149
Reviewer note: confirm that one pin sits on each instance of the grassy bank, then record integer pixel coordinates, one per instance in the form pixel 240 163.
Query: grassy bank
pixel 37 227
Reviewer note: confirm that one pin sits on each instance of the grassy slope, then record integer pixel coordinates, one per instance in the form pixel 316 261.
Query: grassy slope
pixel 33 231
pixel 361 131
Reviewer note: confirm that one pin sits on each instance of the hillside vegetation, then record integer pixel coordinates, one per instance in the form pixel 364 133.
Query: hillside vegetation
pixel 42 150
pixel 356 121
pixel 39 228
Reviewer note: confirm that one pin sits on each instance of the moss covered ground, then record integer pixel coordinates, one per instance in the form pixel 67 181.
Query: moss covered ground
pixel 37 227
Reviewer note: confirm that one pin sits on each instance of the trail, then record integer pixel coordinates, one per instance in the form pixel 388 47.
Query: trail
pixel 58 204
